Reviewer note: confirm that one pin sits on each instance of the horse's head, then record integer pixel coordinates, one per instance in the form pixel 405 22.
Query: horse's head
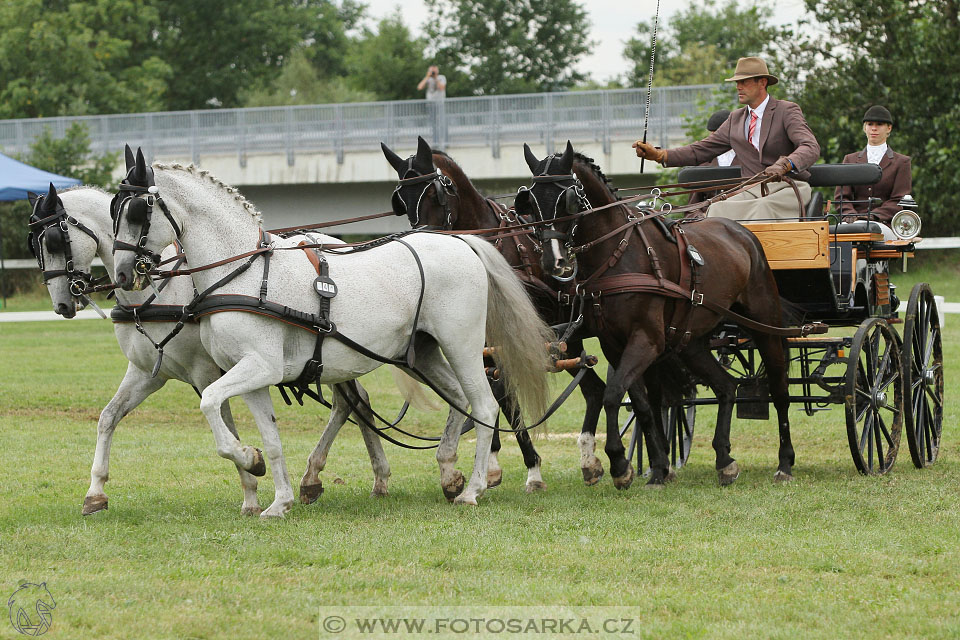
pixel 138 241
pixel 64 249
pixel 424 191
pixel 555 198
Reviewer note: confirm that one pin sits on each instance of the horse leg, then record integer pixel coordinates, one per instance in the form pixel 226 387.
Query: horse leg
pixel 774 352
pixel 628 368
pixel 248 481
pixel 531 459
pixel 135 387
pixel 261 406
pixel 700 360
pixel 648 414
pixel 433 366
pixel 592 387
pixel 310 484
pixel 251 373
pixel 378 460
pixel 494 472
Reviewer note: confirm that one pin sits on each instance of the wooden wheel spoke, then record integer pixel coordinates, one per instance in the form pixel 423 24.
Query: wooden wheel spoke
pixel 877 436
pixel 866 432
pixel 884 432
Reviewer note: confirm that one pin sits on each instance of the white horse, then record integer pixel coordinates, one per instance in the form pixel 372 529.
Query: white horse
pixel 438 294
pixel 88 232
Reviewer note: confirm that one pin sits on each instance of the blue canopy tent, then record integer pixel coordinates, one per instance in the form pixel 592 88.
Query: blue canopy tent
pixel 16 179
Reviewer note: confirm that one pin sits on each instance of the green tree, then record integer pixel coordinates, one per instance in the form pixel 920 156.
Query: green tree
pixel 901 54
pixel 507 46
pixel 299 82
pixel 67 156
pixel 389 61
pixel 702 43
pixel 217 48
pixel 79 58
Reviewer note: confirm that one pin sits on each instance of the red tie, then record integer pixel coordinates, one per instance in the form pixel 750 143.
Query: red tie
pixel 753 128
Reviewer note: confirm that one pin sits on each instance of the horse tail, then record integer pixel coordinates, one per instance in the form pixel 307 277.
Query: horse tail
pixel 514 327
pixel 413 392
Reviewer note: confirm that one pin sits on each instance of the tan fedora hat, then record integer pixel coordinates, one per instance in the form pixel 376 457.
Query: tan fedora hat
pixel 752 68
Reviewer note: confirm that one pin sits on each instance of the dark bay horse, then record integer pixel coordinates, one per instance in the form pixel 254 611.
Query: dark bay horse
pixel 448 200
pixel 618 259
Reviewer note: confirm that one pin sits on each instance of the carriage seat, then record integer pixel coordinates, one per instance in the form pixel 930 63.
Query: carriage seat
pixel 860 226
pixel 832 175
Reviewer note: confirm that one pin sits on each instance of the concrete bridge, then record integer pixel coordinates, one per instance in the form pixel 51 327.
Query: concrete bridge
pixel 308 164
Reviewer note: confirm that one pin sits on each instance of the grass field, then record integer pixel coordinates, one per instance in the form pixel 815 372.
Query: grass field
pixel 833 554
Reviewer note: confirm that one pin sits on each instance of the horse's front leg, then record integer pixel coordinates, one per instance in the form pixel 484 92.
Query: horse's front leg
pixel 251 373
pixel 627 375
pixel 134 389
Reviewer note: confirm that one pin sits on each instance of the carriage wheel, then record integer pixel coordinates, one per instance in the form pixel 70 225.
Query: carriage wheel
pixel 678 423
pixel 873 397
pixel 923 376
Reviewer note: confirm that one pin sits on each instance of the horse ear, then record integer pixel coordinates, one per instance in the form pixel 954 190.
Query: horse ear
pixel 566 160
pixel 140 171
pixel 50 201
pixel 32 198
pixel 395 161
pixel 532 160
pixel 128 157
pixel 424 153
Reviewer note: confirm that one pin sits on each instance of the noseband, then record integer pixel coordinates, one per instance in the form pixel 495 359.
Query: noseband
pixel 139 201
pixel 444 187
pixel 53 230
pixel 571 197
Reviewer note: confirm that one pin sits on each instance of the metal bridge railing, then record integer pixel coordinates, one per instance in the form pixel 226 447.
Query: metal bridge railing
pixel 544 118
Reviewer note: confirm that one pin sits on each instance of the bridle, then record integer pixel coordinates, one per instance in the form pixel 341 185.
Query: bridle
pixel 573 200
pixel 139 201
pixel 444 187
pixel 52 231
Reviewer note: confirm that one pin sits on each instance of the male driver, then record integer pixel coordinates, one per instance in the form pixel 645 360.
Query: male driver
pixel 769 136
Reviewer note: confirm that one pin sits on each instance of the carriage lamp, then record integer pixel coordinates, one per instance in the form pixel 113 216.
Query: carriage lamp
pixel 906 223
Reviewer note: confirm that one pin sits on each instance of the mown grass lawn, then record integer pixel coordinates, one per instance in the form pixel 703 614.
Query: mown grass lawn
pixel 833 554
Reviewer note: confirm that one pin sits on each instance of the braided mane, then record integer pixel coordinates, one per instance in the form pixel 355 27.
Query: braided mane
pixel 196 171
pixel 597 172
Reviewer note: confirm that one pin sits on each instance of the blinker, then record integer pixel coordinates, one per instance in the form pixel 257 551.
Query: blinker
pixel 137 211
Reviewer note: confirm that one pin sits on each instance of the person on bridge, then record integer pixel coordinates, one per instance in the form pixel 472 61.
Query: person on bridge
pixel 769 136
pixel 895 181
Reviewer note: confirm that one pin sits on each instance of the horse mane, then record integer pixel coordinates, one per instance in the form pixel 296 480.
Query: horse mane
pixel 449 166
pixel 596 172
pixel 196 171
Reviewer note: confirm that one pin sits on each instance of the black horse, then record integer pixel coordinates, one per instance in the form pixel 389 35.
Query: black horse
pixel 448 200
pixel 646 287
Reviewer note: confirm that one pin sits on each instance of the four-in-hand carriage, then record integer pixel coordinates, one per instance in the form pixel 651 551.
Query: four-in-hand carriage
pixel 838 275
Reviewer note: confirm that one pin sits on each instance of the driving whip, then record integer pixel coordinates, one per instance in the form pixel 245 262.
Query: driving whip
pixel 653 55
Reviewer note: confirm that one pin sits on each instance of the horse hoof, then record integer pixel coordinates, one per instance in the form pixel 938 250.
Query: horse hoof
pixel 465 500
pixel 310 492
pixel 782 476
pixel 651 484
pixel 259 467
pixel 251 511
pixel 535 485
pixel 92 504
pixel 494 478
pixel 624 481
pixel 592 472
pixel 453 489
pixel 729 474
